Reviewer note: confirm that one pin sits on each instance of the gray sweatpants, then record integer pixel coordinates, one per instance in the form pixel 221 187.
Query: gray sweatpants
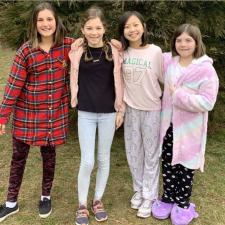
pixel 141 133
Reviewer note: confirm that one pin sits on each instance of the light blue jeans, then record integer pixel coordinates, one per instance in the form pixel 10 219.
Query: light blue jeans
pixel 87 125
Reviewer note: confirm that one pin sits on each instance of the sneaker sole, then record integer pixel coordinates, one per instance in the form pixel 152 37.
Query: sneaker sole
pixel 134 206
pixel 143 216
pixel 43 216
pixel 80 223
pixel 10 214
pixel 101 220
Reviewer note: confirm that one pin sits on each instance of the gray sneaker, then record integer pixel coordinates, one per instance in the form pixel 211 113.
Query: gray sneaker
pixel 82 215
pixel 99 211
pixel 145 209
pixel 136 200
pixel 6 211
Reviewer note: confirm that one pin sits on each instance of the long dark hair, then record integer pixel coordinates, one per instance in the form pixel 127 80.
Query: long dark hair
pixel 92 13
pixel 33 36
pixel 122 23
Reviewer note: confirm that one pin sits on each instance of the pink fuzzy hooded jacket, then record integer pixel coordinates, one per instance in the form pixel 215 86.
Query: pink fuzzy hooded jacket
pixel 187 108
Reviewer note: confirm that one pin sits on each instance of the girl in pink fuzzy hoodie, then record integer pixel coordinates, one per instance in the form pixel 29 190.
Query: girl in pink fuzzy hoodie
pixel 190 91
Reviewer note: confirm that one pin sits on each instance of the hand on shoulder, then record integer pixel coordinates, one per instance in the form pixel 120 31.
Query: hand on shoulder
pixel 117 44
pixel 77 43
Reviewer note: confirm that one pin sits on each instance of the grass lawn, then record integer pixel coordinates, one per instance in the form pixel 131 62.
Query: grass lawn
pixel 208 191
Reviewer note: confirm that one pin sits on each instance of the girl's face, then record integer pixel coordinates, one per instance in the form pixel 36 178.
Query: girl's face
pixel 133 30
pixel 93 31
pixel 46 24
pixel 185 45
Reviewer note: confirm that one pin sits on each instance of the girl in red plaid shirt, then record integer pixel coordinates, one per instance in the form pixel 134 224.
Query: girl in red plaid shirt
pixel 37 93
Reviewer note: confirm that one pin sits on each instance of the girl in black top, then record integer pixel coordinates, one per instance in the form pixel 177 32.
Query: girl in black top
pixel 97 91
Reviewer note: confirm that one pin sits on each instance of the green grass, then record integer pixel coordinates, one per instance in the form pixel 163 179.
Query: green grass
pixel 208 191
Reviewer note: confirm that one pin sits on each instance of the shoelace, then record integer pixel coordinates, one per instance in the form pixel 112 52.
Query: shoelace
pixel 137 196
pixel 98 207
pixel 82 213
pixel 146 203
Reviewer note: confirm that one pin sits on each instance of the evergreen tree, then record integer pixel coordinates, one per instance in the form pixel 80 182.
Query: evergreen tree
pixel 162 18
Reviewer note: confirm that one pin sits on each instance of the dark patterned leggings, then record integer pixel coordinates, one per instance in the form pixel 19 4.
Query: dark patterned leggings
pixel 177 179
pixel 19 157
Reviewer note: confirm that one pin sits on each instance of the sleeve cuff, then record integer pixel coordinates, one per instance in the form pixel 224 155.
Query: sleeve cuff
pixel 3 120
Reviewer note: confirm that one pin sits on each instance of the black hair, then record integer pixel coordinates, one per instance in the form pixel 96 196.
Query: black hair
pixel 122 23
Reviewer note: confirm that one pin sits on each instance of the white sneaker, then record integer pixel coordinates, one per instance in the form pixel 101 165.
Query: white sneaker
pixel 144 210
pixel 136 200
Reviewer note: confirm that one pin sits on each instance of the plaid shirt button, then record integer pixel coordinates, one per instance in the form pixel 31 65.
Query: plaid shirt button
pixel 35 86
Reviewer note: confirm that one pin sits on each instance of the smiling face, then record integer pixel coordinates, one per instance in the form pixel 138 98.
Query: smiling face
pixel 93 30
pixel 185 46
pixel 46 24
pixel 133 31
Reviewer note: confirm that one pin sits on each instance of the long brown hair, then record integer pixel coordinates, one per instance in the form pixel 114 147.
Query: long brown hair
pixel 33 36
pixel 195 33
pixel 92 13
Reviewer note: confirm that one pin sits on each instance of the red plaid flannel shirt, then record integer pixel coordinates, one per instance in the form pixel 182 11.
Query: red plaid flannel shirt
pixel 37 92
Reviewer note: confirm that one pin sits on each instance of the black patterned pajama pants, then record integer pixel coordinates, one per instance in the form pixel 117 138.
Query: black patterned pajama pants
pixel 177 179
pixel 18 162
